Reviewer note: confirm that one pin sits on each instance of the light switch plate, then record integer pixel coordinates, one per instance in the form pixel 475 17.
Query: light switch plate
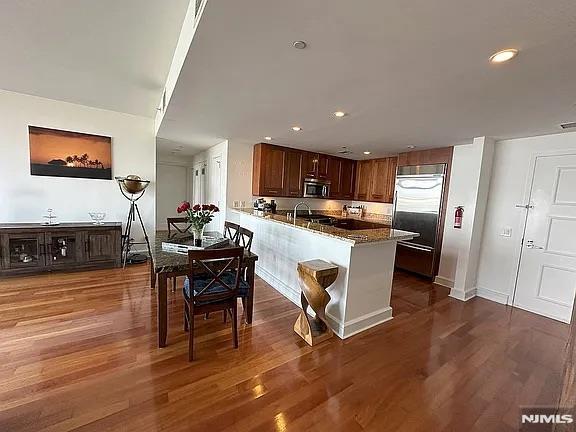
pixel 506 232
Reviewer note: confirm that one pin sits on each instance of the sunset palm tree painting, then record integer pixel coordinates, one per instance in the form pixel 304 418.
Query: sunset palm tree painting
pixel 60 153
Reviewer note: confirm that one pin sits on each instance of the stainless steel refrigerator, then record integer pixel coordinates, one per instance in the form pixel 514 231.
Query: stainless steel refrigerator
pixel 418 207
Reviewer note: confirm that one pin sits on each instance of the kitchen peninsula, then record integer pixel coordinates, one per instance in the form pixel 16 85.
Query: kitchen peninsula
pixel 365 257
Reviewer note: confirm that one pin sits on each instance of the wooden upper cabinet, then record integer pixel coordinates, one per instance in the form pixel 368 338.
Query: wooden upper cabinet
pixel 334 165
pixel 375 180
pixel 294 179
pixel 363 179
pixel 383 180
pixel 269 170
pixel 347 171
pixel 277 171
pixel 426 157
pixel 316 165
pixel 341 174
pixel 391 184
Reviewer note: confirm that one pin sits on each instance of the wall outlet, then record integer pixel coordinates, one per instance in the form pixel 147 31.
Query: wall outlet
pixel 506 232
pixel 236 204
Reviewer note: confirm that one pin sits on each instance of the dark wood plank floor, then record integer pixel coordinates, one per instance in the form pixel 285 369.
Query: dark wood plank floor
pixel 78 352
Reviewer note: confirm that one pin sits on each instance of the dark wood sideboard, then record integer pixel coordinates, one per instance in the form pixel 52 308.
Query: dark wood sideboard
pixel 27 248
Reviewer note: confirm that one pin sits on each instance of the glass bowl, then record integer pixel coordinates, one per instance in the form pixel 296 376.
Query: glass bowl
pixel 97 217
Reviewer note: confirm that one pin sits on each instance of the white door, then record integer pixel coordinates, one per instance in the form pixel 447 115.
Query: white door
pixel 198 183
pixel 215 191
pixel 547 274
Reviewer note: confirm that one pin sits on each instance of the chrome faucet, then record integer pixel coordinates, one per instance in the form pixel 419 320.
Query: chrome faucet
pixel 298 205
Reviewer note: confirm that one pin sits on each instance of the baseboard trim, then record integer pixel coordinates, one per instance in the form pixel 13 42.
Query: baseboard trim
pixel 364 322
pixel 342 330
pixel 439 280
pixel 463 295
pixel 492 295
pixel 286 290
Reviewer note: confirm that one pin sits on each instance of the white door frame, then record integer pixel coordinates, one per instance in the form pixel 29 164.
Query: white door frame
pixel 524 220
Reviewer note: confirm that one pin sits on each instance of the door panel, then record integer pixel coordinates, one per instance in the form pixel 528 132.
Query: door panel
pixel 347 179
pixel 294 178
pixel 547 274
pixel 101 245
pixel 274 165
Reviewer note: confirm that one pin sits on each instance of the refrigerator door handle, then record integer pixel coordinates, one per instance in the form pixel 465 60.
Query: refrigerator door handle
pixel 413 246
pixel 394 207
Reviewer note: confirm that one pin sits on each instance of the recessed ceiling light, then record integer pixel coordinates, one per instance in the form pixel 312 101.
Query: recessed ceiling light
pixel 339 113
pixel 411 147
pixel 504 55
pixel 367 152
pixel 300 44
pixel 268 138
pixel 296 128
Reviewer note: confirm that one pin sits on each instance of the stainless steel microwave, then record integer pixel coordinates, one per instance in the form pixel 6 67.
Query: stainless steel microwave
pixel 316 188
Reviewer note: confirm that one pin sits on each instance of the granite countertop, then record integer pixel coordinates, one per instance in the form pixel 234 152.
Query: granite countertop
pixel 355 237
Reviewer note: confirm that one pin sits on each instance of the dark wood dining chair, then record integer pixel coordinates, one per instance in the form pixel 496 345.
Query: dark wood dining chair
pixel 231 230
pixel 177 225
pixel 213 284
pixel 244 238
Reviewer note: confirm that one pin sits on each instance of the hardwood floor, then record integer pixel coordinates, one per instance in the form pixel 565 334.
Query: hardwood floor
pixel 78 352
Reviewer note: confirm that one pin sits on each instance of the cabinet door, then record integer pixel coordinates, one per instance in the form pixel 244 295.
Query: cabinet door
pixel 322 166
pixel 64 248
pixel 101 245
pixel 379 186
pixel 363 178
pixel 23 250
pixel 334 167
pixel 273 171
pixel 391 184
pixel 294 179
pixel 347 178
pixel 311 161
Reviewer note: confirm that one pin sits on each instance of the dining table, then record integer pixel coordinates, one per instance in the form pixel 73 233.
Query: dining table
pixel 166 264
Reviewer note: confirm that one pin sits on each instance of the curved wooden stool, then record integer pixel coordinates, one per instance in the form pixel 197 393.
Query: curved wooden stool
pixel 314 277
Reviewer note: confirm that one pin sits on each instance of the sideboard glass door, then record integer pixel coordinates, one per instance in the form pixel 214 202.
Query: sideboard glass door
pixel 63 248
pixel 25 250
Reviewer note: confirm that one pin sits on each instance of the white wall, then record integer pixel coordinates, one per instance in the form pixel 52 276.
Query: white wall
pixel 25 198
pixel 172 188
pixel 499 254
pixel 469 184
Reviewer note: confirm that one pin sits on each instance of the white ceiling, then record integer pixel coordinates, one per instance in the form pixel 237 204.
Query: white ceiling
pixel 111 54
pixel 408 72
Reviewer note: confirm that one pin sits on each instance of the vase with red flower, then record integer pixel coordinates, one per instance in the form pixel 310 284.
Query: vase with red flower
pixel 199 215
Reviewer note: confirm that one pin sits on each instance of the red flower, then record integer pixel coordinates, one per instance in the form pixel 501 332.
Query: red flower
pixel 196 207
pixel 216 209
pixel 205 207
pixel 211 207
pixel 184 205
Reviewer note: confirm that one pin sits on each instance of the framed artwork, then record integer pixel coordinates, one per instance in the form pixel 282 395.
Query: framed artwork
pixel 58 153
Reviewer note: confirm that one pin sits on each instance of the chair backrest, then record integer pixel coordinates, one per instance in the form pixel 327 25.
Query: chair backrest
pixel 245 238
pixel 180 224
pixel 213 264
pixel 231 230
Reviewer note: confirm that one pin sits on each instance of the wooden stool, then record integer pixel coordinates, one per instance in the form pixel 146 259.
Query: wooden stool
pixel 314 277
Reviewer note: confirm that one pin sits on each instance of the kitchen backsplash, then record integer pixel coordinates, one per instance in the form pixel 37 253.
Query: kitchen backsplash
pixel 372 210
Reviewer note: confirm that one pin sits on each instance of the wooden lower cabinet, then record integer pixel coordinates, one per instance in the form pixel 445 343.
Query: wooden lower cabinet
pixel 34 248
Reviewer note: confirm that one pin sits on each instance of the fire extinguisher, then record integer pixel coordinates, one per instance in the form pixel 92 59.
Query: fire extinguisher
pixel 458 217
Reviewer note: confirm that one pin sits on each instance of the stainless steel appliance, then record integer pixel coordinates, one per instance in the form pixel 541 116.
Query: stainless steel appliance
pixel 418 208
pixel 316 188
